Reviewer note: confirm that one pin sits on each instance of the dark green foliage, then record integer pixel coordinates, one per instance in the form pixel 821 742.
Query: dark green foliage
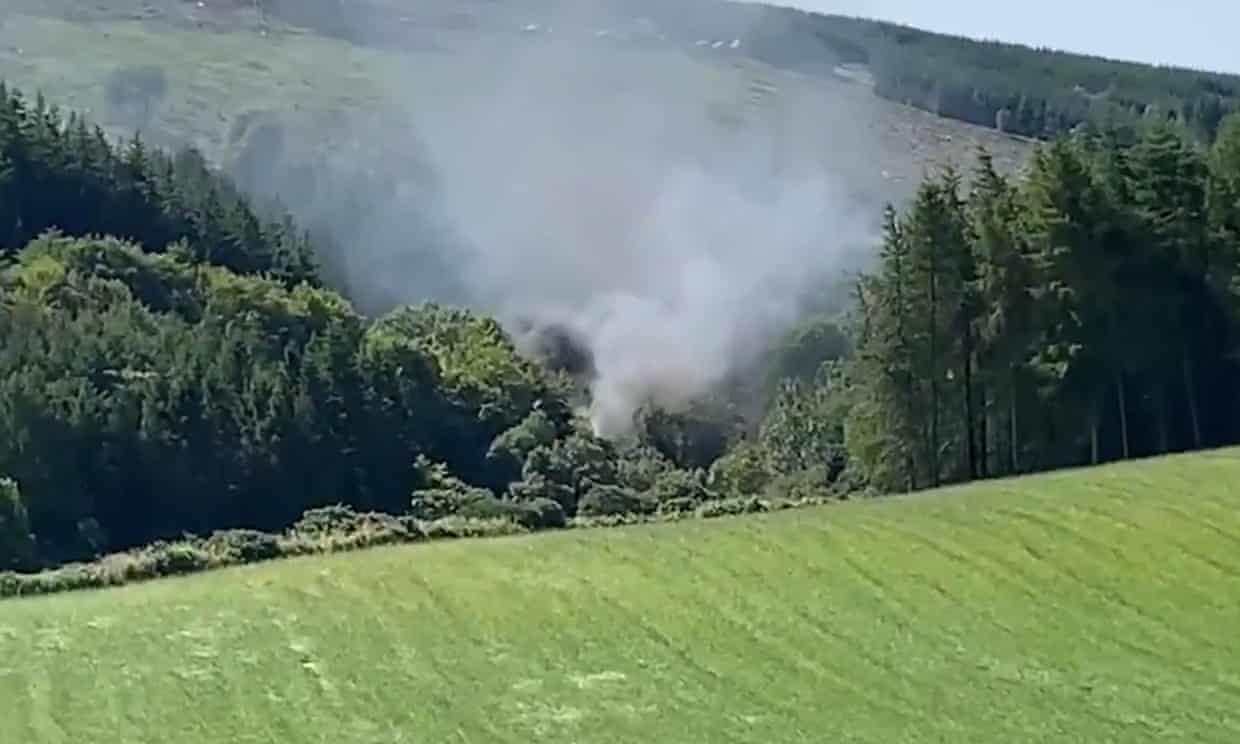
pixel 64 174
pixel 801 354
pixel 602 500
pixel 639 467
pixel 540 488
pixel 444 495
pixel 507 454
pixel 183 558
pixel 687 486
pixel 17 547
pixel 743 470
pixel 542 514
pixel 337 518
pixel 243 546
pixel 693 437
pixel 1081 315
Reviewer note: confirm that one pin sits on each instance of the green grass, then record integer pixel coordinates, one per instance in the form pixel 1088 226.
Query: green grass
pixel 1092 606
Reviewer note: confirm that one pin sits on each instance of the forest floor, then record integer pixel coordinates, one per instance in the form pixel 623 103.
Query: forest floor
pixel 1086 606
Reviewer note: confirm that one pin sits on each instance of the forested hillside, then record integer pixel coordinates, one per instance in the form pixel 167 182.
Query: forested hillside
pixel 1032 92
pixel 173 363
pixel 191 375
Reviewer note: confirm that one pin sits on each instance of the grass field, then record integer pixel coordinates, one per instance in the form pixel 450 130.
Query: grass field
pixel 1094 606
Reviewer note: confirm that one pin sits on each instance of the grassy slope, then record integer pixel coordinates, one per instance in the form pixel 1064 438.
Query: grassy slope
pixel 1091 606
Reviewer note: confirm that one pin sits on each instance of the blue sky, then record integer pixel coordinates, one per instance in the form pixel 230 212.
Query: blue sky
pixel 1193 33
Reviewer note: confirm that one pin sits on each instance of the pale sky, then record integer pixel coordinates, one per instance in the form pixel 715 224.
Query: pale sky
pixel 1191 33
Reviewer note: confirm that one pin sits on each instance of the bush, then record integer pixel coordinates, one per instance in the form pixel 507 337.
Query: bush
pixel 445 495
pixel 732 507
pixel 640 467
pixel 326 520
pixel 681 485
pixel 803 485
pixel 543 514
pixel 741 472
pixel 178 558
pixel 678 506
pixel 450 528
pixel 538 487
pixel 603 501
pixel 243 546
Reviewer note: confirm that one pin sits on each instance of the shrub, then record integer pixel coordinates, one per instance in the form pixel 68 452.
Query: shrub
pixel 445 495
pixel 538 487
pixel 243 546
pixel 178 558
pixel 802 485
pixel 681 485
pixel 489 509
pixel 741 472
pixel 678 506
pixel 732 507
pixel 543 514
pixel 460 527
pixel 640 467
pixel 328 519
pixel 613 500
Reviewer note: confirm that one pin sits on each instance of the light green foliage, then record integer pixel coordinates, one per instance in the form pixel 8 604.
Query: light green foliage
pixel 443 494
pixel 639 467
pixel 743 471
pixel 1082 606
pixel 804 428
pixel 508 453
pixel 681 487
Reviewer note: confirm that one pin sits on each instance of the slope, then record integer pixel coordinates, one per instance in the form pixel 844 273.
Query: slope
pixel 1081 606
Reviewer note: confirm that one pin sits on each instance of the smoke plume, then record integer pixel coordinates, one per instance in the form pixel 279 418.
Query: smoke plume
pixel 671 205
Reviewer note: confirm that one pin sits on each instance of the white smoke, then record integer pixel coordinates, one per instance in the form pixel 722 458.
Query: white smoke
pixel 671 205
pixel 602 192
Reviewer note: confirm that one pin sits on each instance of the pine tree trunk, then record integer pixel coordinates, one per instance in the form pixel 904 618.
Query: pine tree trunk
pixel 1191 390
pixel 1013 439
pixel 1123 412
pixel 970 420
pixel 1093 436
pixel 984 422
pixel 1164 436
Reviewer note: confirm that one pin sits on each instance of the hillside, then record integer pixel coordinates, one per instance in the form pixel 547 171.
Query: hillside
pixel 381 131
pixel 1091 605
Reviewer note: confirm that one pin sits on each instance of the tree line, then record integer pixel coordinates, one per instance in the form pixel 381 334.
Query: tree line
pixel 171 363
pixel 1080 312
pixel 1039 93
pixel 1085 312
pixel 64 172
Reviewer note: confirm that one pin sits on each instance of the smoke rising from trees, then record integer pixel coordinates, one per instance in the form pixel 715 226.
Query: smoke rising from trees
pixel 672 207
